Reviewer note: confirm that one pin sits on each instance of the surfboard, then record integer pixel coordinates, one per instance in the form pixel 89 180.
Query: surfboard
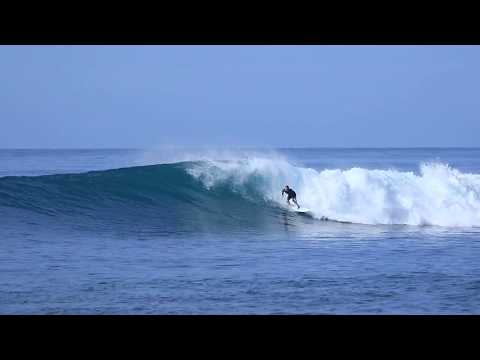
pixel 295 209
pixel 306 211
pixel 301 210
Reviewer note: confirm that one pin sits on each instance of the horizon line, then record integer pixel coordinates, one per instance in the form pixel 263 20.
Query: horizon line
pixel 247 147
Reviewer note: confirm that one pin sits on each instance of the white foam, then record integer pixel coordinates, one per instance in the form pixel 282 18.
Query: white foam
pixel 438 195
pixel 169 155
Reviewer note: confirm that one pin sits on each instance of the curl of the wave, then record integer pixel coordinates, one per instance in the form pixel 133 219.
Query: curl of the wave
pixel 437 195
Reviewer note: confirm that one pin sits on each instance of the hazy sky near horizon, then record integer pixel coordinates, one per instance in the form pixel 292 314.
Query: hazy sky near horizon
pixel 269 96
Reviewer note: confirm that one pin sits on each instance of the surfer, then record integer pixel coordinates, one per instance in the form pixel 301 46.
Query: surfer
pixel 290 195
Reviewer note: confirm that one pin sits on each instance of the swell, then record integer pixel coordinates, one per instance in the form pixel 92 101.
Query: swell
pixel 165 196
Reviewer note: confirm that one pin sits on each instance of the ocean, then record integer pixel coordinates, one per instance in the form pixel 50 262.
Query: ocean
pixel 206 231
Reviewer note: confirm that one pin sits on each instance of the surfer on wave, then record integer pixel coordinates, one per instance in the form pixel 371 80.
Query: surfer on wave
pixel 290 195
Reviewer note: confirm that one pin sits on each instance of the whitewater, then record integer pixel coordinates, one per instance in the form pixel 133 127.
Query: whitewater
pixel 437 195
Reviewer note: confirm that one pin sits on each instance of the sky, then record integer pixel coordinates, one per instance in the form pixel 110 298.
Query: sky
pixel 239 96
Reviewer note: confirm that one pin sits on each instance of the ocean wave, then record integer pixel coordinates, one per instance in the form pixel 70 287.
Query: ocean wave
pixel 246 191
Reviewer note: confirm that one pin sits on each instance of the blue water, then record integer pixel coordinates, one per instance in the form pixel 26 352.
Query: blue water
pixel 207 232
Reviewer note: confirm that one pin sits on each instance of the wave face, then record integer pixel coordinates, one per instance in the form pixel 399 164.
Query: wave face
pixel 191 196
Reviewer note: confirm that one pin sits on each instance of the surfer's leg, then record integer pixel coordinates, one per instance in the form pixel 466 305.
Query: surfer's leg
pixel 295 201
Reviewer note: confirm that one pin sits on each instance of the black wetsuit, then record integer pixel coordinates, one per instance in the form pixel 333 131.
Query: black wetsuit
pixel 291 194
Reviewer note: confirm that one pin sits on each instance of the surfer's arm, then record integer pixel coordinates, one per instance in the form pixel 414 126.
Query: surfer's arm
pixel 283 192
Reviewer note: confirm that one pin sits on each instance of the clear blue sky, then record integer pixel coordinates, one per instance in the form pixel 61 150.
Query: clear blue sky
pixel 272 96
